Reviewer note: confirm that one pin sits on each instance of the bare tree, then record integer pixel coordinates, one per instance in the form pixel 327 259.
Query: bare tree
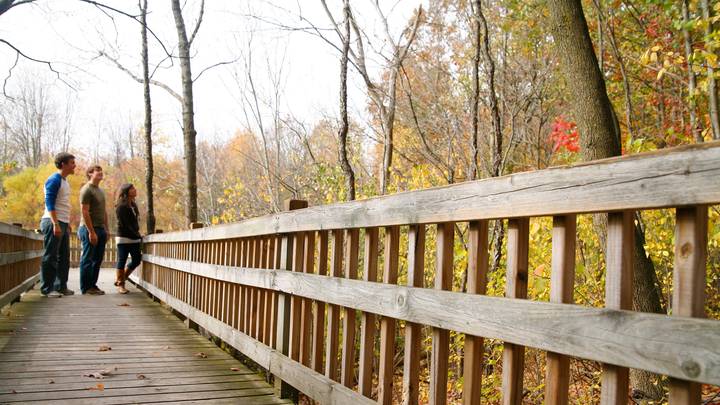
pixel 188 111
pixel 382 95
pixel 692 79
pixel 344 125
pixel 147 127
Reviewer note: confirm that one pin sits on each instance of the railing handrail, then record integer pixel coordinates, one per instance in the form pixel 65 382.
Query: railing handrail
pixel 673 177
pixel 7 229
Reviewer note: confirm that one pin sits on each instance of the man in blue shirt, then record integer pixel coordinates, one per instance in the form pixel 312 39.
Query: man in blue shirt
pixel 54 225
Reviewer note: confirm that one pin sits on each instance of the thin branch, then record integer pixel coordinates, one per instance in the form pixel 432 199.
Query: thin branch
pixel 154 82
pixel 215 65
pixel 197 25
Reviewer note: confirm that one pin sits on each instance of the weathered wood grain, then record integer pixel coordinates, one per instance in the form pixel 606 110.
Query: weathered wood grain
pixel 413 331
pixel 347 362
pixel 15 257
pixel 388 324
pixel 652 342
pixel 311 383
pixel 640 181
pixel 441 337
pixel 478 257
pixel 515 287
pixel 562 285
pixel 367 321
pixel 691 230
pixel 618 295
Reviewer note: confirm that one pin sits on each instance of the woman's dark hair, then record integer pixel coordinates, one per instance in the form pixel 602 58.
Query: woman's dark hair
pixel 122 198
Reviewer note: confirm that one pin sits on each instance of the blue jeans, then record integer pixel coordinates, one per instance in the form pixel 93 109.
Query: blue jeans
pixel 56 259
pixel 91 258
pixel 125 249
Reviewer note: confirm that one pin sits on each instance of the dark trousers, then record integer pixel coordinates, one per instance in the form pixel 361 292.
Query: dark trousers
pixel 131 249
pixel 56 259
pixel 91 258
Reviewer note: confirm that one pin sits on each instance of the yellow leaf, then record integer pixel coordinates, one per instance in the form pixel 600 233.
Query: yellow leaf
pixel 660 74
pixel 653 57
pixel 655 48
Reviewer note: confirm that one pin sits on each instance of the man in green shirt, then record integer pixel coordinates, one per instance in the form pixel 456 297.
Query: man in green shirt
pixel 92 231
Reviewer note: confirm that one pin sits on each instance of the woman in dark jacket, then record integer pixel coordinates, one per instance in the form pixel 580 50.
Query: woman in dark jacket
pixel 128 237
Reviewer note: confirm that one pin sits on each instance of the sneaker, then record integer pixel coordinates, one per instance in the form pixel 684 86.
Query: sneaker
pixel 122 290
pixel 52 294
pixel 67 291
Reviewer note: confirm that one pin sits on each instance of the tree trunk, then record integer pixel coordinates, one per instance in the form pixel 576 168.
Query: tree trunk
pixel 187 112
pixel 695 128
pixel 712 84
pixel 344 124
pixel 388 124
pixel 599 139
pixel 474 167
pixel 148 121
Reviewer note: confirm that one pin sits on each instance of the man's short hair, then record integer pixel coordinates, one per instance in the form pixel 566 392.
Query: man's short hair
pixel 91 169
pixel 63 158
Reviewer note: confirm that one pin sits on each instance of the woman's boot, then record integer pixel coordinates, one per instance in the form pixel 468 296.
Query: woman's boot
pixel 120 281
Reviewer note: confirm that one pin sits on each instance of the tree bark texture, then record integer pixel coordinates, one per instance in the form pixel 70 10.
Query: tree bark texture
pixel 150 171
pixel 189 133
pixel 474 166
pixel 712 83
pixel 692 79
pixel 600 138
pixel 344 124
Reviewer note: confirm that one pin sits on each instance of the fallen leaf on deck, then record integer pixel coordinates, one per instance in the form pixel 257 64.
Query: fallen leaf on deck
pixel 141 377
pixel 13 392
pixel 124 304
pixel 99 375
pixel 51 382
pixel 23 328
pixel 104 348
pixel 99 387
pixel 234 369
pixel 166 347
pixel 201 355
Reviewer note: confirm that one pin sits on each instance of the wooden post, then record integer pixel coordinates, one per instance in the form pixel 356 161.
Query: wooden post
pixel 387 324
pixel 347 369
pixel 282 339
pixel 416 267
pixel 516 287
pixel 367 321
pixel 689 284
pixel 476 284
pixel 618 295
pixel 441 337
pixel 562 283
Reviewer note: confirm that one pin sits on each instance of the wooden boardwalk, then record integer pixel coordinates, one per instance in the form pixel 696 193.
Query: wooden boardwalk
pixel 49 345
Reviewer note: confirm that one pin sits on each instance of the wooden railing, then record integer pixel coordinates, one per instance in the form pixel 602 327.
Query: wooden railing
pixel 275 287
pixel 20 256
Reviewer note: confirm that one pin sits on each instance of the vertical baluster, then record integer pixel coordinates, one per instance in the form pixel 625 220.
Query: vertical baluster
pixel 416 269
pixel 388 325
pixel 441 337
pixel 367 320
pixel 319 308
pixel 618 295
pixel 331 356
pixel 516 287
pixel 476 284
pixel 689 284
pixel 306 309
pixel 269 258
pixel 347 372
pixel 296 301
pixel 562 284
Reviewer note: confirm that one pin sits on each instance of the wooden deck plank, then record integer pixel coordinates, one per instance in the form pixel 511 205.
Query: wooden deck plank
pixel 47 345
